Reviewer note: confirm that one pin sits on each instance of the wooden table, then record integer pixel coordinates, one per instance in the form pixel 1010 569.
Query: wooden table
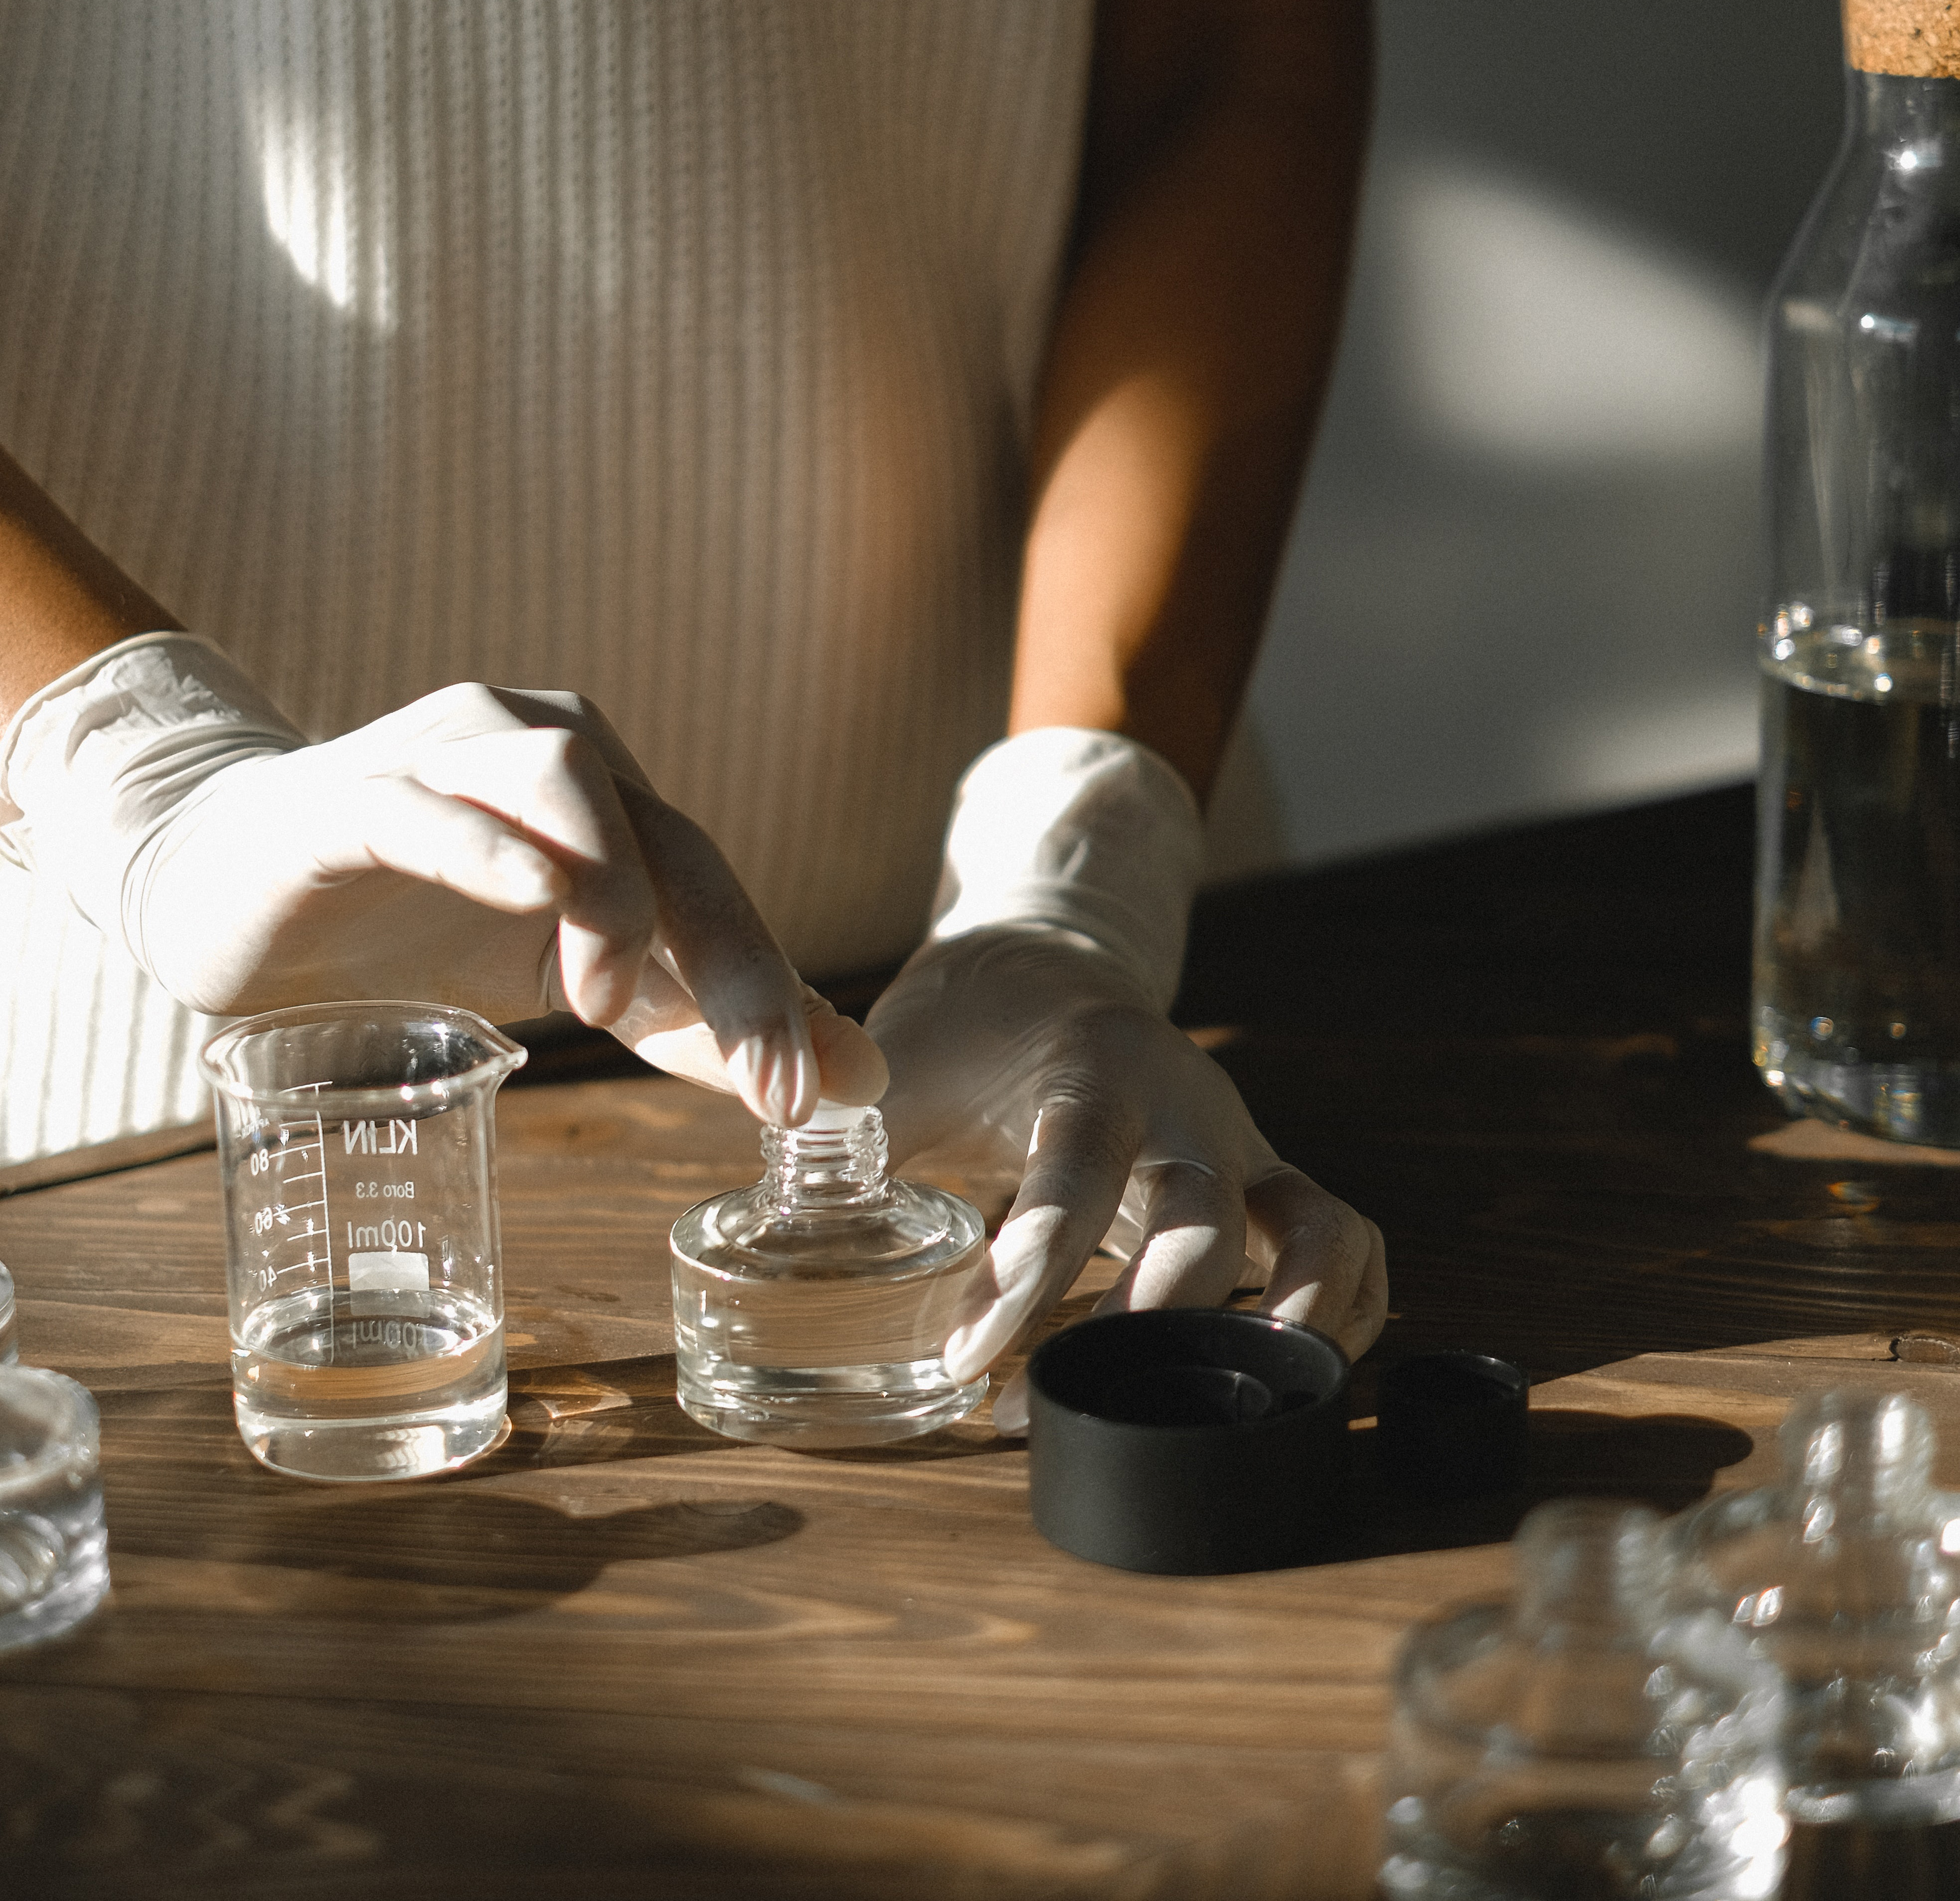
pixel 621 1656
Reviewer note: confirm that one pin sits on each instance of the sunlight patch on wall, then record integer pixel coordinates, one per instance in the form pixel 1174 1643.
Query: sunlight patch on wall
pixel 311 182
pixel 1635 751
pixel 1527 328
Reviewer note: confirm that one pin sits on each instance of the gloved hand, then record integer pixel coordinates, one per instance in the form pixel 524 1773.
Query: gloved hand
pixel 495 848
pixel 1030 1027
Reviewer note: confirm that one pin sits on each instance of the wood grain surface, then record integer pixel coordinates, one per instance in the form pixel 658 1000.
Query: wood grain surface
pixel 621 1656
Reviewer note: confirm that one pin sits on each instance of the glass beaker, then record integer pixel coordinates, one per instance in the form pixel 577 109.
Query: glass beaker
pixel 357 1145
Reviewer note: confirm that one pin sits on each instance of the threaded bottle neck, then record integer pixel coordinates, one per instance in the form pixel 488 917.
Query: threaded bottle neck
pixel 1588 1565
pixel 1850 1455
pixel 836 1159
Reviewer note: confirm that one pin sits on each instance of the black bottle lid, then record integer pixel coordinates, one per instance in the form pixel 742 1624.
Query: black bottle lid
pixel 1452 1425
pixel 1188 1440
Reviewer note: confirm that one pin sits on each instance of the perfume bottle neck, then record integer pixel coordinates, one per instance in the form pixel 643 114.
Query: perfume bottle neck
pixel 835 1160
pixel 1852 1456
pixel 1590 1569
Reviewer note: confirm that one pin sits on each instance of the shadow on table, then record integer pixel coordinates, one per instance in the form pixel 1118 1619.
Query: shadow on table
pixel 1667 1460
pixel 1526 1056
pixel 451 1554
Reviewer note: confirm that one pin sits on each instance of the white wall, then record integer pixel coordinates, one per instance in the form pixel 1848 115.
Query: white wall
pixel 1524 578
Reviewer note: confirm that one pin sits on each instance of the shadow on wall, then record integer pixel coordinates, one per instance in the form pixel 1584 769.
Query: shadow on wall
pixel 1523 579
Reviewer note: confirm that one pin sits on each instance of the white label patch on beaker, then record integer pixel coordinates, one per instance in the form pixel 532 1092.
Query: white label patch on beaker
pixel 389 1272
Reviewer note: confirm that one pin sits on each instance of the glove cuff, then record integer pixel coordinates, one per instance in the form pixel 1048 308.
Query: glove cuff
pixel 92 764
pixel 1066 829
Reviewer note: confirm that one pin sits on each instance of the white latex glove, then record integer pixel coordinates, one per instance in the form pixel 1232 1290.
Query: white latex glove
pixel 496 849
pixel 1030 1027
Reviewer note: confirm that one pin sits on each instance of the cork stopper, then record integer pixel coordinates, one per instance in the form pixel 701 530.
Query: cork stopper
pixel 1914 39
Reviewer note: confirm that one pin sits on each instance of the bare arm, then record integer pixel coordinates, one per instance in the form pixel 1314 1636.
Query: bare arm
pixel 61 598
pixel 1191 353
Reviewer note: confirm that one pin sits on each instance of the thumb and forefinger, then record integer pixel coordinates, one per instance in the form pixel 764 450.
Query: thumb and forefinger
pixel 718 1001
pixel 657 940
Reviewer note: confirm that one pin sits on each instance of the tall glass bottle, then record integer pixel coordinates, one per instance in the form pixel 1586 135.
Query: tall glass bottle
pixel 1857 961
pixel 813 1308
pixel 1581 1742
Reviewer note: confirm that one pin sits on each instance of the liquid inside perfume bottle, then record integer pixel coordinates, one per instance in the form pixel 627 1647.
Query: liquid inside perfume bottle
pixel 813 1308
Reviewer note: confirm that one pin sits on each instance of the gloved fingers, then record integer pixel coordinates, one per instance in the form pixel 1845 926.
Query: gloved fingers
pixel 662 1026
pixel 1191 1253
pixel 1192 1250
pixel 535 706
pixel 553 784
pixel 852 1065
pixel 1078 1162
pixel 637 866
pixel 711 938
pixel 688 1049
pixel 398 825
pixel 1329 1266
pixel 660 1005
pixel 1010 1406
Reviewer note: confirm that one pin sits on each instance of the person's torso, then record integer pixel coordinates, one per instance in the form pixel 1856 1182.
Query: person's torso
pixel 682 354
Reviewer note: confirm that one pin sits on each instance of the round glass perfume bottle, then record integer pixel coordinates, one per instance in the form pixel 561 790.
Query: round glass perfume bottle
pixel 813 1307
pixel 1578 1743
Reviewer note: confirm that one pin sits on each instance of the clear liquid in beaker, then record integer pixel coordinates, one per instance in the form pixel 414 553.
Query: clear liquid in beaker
pixel 368 1386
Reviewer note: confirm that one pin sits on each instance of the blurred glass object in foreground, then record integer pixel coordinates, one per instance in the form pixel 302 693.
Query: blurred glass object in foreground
pixel 1845 1576
pixel 1580 1741
pixel 54 1551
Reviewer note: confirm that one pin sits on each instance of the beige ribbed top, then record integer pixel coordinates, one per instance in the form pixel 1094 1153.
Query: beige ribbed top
pixel 681 353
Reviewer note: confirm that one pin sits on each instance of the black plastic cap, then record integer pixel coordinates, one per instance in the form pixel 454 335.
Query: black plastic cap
pixel 1452 1425
pixel 1187 1440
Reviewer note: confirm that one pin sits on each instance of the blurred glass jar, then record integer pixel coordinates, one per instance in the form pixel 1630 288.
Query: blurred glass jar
pixel 1844 1577
pixel 1857 957
pixel 1580 1742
